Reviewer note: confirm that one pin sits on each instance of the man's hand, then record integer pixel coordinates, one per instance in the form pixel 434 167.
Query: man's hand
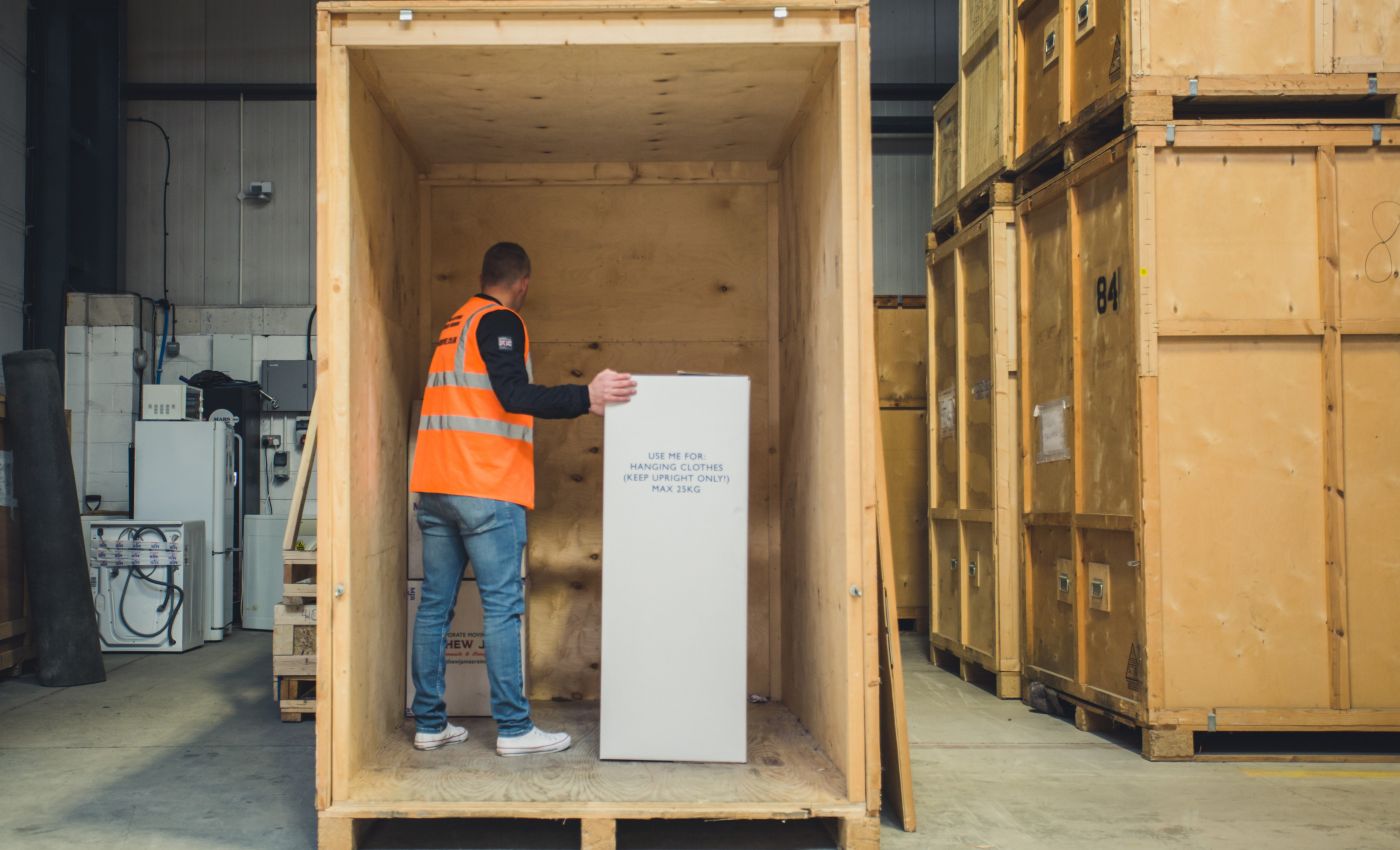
pixel 609 387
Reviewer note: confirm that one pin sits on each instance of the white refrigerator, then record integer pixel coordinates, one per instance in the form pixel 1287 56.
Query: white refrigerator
pixel 188 471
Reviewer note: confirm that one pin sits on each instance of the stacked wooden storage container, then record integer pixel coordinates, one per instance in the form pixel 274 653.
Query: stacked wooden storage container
pixel 901 359
pixel 1206 216
pixel 692 180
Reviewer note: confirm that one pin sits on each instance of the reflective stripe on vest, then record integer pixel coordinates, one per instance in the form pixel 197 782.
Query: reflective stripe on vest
pixel 472 425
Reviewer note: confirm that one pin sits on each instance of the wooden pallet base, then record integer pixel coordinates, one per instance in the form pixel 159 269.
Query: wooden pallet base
pixel 296 697
pixel 1167 100
pixel 1005 684
pixel 339 832
pixel 1206 745
pixel 969 205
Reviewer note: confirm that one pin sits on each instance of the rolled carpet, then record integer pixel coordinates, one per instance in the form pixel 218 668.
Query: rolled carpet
pixel 62 617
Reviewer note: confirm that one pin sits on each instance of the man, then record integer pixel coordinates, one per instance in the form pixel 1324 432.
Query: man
pixel 474 474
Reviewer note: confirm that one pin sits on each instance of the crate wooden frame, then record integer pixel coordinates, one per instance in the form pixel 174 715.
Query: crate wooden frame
pixel 977 617
pixel 1080 82
pixel 377 185
pixel 1088 526
pixel 986 77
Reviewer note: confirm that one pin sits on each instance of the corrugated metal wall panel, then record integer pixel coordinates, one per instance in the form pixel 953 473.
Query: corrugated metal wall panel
pixel 913 41
pixel 13 97
pixel 903 205
pixel 145 171
pixel 223 41
pixel 276 234
pixel 260 41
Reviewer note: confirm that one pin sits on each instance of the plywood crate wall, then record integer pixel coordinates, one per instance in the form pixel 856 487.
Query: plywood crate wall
pixel 1076 58
pixel 692 180
pixel 1210 345
pixel 975 518
pixel 901 358
pixel 946 165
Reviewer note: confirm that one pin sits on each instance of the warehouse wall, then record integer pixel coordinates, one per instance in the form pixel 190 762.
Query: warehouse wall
pixel 13 43
pixel 102 387
pixel 222 251
pixel 913 42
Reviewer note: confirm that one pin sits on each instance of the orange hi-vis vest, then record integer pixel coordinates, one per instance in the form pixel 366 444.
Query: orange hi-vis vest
pixel 468 444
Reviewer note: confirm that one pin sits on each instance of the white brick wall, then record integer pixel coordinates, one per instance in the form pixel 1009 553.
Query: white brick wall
pixel 102 392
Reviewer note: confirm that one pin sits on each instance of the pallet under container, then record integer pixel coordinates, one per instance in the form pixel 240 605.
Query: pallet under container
pixel 974 528
pixel 692 180
pixel 1078 60
pixel 1210 339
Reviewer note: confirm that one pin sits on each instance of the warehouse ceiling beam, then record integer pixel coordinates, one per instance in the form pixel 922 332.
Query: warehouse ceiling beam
pixel 219 91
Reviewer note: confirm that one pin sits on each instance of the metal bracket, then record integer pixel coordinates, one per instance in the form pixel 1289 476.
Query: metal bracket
pixel 1096 588
pixel 1375 134
pixel 953 564
pixel 1373 85
pixel 405 15
pixel 780 12
pixel 1171 134
pixel 1210 722
pixel 1193 87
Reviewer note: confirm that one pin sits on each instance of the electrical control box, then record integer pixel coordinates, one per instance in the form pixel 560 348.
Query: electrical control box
pixel 171 402
pixel 290 383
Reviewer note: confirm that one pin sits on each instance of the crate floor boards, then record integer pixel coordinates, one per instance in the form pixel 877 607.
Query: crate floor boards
pixel 787 777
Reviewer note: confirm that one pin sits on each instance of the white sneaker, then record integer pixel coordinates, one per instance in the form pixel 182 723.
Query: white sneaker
pixel 534 742
pixel 433 740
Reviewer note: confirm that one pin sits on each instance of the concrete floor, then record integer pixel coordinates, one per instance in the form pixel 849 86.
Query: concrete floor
pixel 188 752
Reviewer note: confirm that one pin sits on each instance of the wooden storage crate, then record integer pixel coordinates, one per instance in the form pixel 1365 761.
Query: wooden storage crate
pixel 692 180
pixel 975 527
pixel 1210 339
pixel 1076 59
pixel 901 358
pixel 986 77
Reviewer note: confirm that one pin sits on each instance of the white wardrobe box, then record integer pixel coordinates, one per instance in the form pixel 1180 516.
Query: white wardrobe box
pixel 675 571
pixel 468 691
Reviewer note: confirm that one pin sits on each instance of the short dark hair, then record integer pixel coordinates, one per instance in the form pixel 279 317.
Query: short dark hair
pixel 505 262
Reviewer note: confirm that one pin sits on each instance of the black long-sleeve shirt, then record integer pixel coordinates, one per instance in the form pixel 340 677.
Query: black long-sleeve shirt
pixel 500 336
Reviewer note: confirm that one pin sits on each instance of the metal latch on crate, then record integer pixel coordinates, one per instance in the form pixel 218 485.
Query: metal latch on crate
pixel 1375 134
pixel 1373 85
pixel 1193 87
pixel 1096 588
pixel 1171 134
pixel 1064 582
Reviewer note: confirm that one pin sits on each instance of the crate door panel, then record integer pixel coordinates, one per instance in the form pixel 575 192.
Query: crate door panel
pixel 1371 373
pixel 979 571
pixel 1252 255
pixel 1366 36
pixel 1099 51
pixel 1113 618
pixel 946 168
pixel 947 580
pixel 1108 394
pixel 1051 601
pixel 1243 572
pixel 943 407
pixel 982 113
pixel 1215 37
pixel 906 466
pixel 1040 40
pixel 1368 223
pixel 977 393
pixel 1048 380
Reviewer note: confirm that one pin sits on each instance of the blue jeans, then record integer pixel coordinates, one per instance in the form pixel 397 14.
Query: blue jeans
pixel 492 535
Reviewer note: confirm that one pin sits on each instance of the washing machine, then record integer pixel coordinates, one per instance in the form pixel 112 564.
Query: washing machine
pixel 147 580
